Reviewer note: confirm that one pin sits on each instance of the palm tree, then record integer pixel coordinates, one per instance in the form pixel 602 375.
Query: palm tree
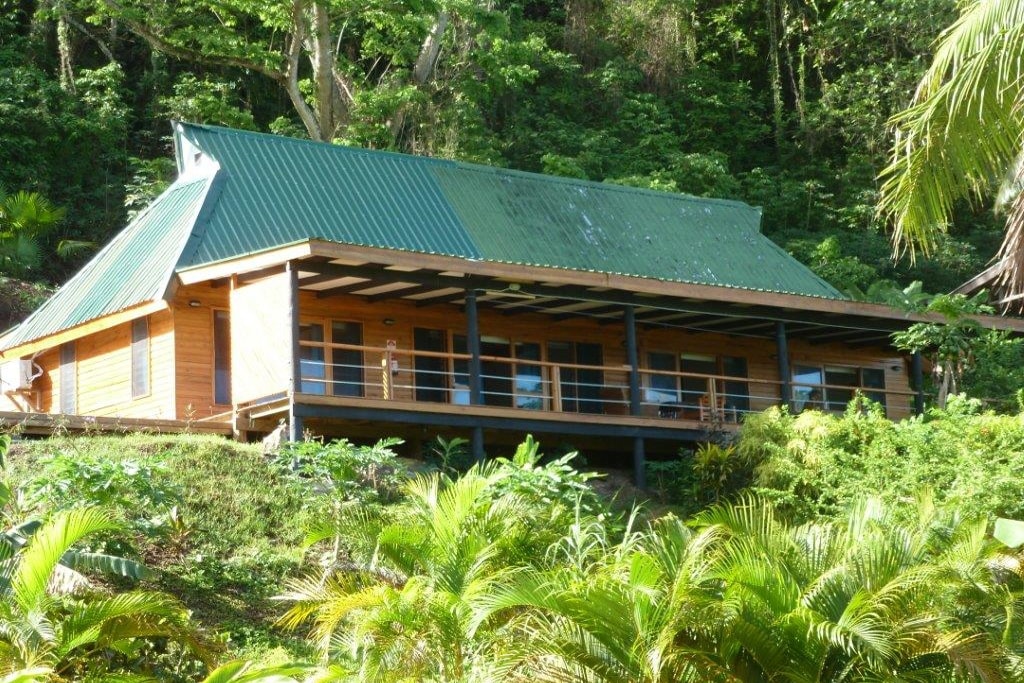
pixel 962 135
pixel 64 637
pixel 746 597
pixel 26 218
pixel 397 600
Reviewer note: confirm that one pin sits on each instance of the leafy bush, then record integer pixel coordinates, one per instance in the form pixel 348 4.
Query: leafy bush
pixel 353 473
pixel 815 464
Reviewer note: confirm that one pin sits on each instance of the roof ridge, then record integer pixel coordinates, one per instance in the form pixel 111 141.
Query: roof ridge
pixel 478 167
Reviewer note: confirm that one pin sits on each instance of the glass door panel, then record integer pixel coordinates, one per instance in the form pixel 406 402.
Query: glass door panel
pixel 312 368
pixel 695 387
pixel 497 375
pixel 661 388
pixel 430 372
pixel 589 381
pixel 837 399
pixel 874 378
pixel 529 381
pixel 737 393
pixel 347 364
pixel 805 395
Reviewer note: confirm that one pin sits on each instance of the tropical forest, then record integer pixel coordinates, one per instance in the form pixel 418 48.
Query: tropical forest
pixel 881 140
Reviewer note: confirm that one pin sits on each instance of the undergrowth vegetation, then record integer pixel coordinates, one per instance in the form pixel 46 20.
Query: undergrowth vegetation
pixel 814 547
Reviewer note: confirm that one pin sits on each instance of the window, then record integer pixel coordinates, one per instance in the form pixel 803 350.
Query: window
pixel 68 379
pixel 347 364
pixel 504 383
pixel 580 387
pixel 312 360
pixel 832 387
pixel 140 357
pixel 325 369
pixel 430 371
pixel 221 358
pixel 687 390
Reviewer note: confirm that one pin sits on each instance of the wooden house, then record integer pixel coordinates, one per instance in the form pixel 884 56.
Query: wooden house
pixel 349 291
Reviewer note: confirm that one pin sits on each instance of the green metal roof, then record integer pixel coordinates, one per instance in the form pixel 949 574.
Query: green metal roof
pixel 134 268
pixel 280 190
pixel 240 193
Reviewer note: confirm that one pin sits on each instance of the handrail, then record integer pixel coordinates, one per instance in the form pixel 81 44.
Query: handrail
pixel 547 381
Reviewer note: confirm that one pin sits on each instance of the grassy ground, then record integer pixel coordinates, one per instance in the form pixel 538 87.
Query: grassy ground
pixel 235 535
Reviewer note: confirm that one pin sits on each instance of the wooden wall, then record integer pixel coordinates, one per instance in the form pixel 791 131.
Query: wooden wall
pixel 193 349
pixel 105 377
pixel 260 338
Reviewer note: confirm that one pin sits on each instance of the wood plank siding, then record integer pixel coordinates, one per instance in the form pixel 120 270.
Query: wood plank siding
pixel 194 308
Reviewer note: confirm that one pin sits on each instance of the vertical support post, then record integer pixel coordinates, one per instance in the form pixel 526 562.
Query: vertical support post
pixel 639 463
pixel 632 357
pixel 917 376
pixel 475 368
pixel 295 371
pixel 629 319
pixel 782 351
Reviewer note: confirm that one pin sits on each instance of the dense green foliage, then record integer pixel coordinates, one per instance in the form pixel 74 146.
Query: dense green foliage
pixel 769 103
pixel 516 569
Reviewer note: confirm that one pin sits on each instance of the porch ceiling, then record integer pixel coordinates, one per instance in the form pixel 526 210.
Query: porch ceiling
pixel 426 287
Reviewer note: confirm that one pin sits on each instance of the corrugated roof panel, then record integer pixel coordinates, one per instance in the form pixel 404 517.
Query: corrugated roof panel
pixel 537 220
pixel 280 190
pixel 134 268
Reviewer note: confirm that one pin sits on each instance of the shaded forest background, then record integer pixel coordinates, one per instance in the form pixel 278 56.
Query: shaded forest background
pixel 779 103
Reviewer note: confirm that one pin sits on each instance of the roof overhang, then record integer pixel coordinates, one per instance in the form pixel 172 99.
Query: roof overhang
pixel 83 330
pixel 330 269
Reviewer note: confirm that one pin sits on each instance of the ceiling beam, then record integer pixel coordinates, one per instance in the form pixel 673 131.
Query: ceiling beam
pixel 668 304
pixel 443 299
pixel 398 293
pixel 346 289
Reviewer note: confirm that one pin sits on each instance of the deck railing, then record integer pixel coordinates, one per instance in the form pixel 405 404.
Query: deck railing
pixel 538 385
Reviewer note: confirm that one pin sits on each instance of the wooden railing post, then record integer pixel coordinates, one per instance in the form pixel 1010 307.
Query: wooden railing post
pixel 556 389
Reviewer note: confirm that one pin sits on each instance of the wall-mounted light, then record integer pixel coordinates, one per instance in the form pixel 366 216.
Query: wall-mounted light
pixel 895 368
pixel 388 321
pixel 195 303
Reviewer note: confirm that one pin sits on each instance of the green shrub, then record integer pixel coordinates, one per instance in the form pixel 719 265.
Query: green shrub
pixel 816 464
pixel 351 472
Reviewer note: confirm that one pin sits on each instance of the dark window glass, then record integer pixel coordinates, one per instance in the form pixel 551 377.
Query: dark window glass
pixel 140 357
pixel 460 387
pixel 737 394
pixel 221 357
pixel 312 370
pixel 661 388
pixel 806 395
pixel 873 378
pixel 695 387
pixel 68 379
pixel 497 375
pixel 529 379
pixel 431 373
pixel 836 398
pixel 580 387
pixel 347 364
